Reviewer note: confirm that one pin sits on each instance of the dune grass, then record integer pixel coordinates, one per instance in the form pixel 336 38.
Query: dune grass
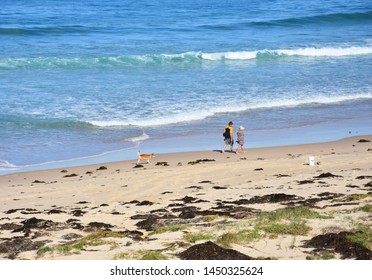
pixel 93 239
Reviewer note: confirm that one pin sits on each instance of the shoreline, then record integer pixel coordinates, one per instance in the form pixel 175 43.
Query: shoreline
pixel 316 133
pixel 188 199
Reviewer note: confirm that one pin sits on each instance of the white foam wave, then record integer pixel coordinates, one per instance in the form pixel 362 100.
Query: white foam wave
pixel 5 165
pixel 328 51
pixel 200 114
pixel 243 55
pixel 308 52
pixel 140 138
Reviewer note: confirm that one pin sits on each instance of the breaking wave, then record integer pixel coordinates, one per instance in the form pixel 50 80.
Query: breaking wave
pixel 188 58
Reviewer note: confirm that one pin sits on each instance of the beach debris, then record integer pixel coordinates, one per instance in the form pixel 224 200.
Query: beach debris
pixel 340 243
pixel 102 168
pixel 64 171
pixel 303 182
pixel 166 192
pixel 77 212
pixel 188 199
pixel 327 175
pixel 55 211
pixel 363 177
pixel 34 223
pixel 82 202
pixel 200 160
pixel 282 175
pixel 269 198
pixel 211 251
pixel 258 169
pixel 145 203
pixel 364 141
pixel 71 236
pixel 352 186
pixel 162 163
pixel 195 187
pixel 70 175
pixel 38 182
pixel 95 226
pixel 19 244
pixel 11 211
pixel 150 224
pixel 219 188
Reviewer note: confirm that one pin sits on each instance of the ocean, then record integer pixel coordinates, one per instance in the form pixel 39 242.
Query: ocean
pixel 93 81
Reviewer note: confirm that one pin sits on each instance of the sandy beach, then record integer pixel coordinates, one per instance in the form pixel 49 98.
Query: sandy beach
pixel 266 204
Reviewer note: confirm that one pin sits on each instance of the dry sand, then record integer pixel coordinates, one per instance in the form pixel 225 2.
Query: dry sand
pixel 181 201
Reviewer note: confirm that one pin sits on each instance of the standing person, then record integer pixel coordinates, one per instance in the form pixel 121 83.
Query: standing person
pixel 240 139
pixel 228 134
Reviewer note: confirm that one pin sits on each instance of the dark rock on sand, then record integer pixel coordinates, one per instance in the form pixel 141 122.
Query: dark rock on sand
pixel 211 251
pixel 340 243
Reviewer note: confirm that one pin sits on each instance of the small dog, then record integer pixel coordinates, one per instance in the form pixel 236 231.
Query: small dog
pixel 147 157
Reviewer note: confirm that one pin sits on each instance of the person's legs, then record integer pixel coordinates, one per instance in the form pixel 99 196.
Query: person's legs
pixel 237 149
pixel 243 149
pixel 223 149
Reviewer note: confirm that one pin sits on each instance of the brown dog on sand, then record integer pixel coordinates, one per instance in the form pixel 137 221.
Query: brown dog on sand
pixel 143 157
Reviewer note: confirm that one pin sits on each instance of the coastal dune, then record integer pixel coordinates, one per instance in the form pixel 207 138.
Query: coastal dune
pixel 268 203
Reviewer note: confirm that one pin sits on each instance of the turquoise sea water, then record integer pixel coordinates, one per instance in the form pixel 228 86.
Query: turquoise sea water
pixel 85 78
